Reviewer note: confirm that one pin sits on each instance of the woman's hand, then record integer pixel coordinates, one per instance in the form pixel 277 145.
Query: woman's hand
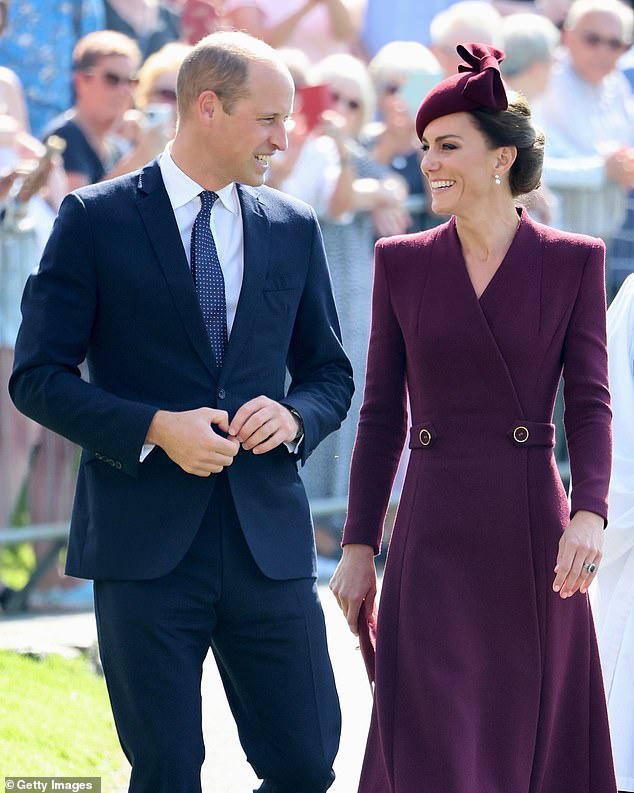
pixel 354 581
pixel 579 554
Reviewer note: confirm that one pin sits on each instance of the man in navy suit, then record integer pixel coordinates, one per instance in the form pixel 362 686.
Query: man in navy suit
pixel 189 512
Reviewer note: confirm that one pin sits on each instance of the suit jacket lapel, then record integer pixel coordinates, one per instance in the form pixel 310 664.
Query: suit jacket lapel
pixel 256 256
pixel 158 217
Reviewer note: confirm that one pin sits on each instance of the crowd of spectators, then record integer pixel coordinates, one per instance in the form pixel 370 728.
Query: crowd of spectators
pixel 101 75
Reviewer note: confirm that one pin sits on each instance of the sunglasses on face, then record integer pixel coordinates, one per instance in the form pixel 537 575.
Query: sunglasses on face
pixel 166 94
pixel 114 80
pixel 351 104
pixel 391 88
pixel 594 40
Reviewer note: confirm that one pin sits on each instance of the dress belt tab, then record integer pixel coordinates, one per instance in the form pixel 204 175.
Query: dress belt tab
pixel 532 433
pixel 520 433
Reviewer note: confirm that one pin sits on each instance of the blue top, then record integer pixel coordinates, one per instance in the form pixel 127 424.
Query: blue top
pixel 38 46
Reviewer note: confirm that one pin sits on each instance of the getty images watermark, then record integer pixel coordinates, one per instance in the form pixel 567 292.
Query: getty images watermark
pixel 47 784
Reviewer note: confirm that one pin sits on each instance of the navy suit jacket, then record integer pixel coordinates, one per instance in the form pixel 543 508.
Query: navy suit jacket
pixel 114 288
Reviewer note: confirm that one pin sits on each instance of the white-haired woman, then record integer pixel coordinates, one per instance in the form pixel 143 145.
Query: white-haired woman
pixel 369 199
pixel 402 72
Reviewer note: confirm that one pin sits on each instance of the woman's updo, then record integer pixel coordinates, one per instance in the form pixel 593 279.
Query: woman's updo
pixel 514 127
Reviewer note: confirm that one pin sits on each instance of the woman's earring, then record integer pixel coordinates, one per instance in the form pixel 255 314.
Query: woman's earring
pixel 497 179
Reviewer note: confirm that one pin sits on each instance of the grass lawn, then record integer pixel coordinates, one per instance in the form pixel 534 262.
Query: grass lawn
pixel 56 720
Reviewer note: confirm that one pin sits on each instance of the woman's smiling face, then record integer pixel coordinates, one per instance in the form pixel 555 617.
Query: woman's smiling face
pixel 459 164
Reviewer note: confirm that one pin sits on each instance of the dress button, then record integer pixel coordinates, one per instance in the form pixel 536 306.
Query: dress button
pixel 424 436
pixel 520 434
pixel 222 393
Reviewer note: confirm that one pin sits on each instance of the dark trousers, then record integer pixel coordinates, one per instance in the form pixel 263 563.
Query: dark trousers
pixel 268 638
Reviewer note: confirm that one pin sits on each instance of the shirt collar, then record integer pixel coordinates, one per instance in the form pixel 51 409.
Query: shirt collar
pixel 181 189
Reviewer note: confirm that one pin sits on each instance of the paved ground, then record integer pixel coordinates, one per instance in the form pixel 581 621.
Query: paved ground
pixel 225 769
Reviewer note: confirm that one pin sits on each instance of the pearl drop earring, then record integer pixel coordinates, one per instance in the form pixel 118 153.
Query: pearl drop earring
pixel 497 179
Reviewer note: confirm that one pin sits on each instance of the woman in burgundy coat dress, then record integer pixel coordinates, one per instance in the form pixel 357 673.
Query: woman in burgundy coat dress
pixel 487 672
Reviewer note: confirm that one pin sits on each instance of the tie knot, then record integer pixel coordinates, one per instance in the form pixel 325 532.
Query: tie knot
pixel 208 199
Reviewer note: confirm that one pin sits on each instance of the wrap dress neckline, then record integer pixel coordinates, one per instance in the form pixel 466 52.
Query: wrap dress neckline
pixel 505 264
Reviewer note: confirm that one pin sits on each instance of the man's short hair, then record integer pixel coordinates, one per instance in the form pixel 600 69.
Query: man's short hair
pixel 101 44
pixel 220 63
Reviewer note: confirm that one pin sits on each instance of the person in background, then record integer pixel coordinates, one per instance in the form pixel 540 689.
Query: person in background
pixel 26 219
pixel 312 166
pixel 105 67
pixel 192 291
pixel 151 23
pixel 376 199
pixel 468 20
pixel 12 99
pixel 35 184
pixel 155 94
pixel 37 44
pixel 157 76
pixel 613 590
pixel 587 113
pixel 484 619
pixel 317 27
pixel 198 18
pixel 530 43
pixel 402 72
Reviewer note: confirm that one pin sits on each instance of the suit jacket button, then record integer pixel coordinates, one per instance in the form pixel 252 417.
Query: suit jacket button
pixel 222 393
pixel 118 465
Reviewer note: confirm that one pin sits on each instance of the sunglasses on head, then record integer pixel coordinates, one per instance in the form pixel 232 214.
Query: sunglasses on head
pixel 351 104
pixel 166 94
pixel 114 80
pixel 595 40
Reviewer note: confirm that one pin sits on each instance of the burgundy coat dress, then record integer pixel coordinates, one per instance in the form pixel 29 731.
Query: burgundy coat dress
pixel 486 680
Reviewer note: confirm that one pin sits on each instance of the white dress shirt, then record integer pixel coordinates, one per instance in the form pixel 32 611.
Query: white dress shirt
pixel 226 225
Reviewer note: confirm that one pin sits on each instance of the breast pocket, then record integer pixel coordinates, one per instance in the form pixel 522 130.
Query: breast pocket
pixel 282 282
pixel 276 312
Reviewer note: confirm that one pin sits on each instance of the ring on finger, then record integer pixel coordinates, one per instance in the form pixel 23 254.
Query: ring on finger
pixel 589 567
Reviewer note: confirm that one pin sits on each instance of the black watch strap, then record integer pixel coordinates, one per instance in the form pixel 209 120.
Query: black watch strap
pixel 300 431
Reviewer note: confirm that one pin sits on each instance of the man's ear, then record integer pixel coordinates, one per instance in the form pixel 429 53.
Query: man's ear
pixel 208 104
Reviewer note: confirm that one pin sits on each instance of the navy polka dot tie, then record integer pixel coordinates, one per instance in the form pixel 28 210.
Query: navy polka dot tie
pixel 208 278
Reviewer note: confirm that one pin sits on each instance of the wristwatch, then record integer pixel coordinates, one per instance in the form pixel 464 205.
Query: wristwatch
pixel 300 420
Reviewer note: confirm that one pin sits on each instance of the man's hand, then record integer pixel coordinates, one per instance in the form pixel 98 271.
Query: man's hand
pixel 262 424
pixel 189 440
pixel 354 581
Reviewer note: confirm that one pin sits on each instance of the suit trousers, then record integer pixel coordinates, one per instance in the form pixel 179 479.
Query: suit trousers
pixel 269 641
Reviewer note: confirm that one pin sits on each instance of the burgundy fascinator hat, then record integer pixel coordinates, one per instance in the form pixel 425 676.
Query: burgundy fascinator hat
pixel 476 86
